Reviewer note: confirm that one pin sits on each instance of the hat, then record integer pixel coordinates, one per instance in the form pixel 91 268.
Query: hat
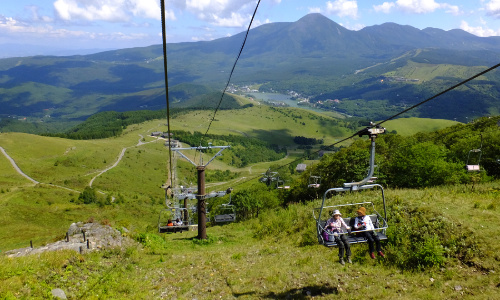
pixel 336 212
pixel 362 210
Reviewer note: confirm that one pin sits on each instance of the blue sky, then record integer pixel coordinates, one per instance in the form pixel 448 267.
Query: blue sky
pixel 108 24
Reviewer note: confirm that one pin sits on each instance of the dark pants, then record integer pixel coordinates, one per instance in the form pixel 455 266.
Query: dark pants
pixel 372 236
pixel 342 243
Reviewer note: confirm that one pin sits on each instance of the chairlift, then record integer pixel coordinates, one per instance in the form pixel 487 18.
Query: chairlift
pixel 173 214
pixel 314 181
pixel 474 158
pixel 269 177
pixel 280 184
pixel 175 210
pixel 227 212
pixel 379 221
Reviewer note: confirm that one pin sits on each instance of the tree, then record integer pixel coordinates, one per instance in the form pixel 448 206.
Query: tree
pixel 88 195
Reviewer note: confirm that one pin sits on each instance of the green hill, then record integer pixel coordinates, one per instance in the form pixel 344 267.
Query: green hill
pixel 410 126
pixel 272 252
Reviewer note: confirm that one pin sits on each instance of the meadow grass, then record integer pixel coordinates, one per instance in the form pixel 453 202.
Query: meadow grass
pixel 271 257
pixel 410 126
pixel 426 72
pixel 265 123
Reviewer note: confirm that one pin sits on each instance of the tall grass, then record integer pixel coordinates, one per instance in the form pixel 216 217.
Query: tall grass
pixel 276 257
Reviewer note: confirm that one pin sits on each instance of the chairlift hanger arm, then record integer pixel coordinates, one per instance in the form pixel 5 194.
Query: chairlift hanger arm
pixel 373 132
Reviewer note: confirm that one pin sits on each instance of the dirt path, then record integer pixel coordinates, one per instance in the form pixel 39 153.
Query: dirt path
pixel 120 156
pixel 16 167
pixel 35 182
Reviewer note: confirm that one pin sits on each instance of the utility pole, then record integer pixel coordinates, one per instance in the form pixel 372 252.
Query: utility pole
pixel 201 206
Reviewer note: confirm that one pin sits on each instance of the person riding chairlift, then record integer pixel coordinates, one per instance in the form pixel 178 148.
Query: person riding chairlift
pixel 363 222
pixel 336 225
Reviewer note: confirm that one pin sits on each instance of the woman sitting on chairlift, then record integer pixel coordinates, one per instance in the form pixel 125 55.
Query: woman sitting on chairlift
pixel 336 225
pixel 363 222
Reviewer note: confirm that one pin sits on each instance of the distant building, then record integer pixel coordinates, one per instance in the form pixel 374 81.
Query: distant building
pixel 156 133
pixel 301 168
pixel 173 144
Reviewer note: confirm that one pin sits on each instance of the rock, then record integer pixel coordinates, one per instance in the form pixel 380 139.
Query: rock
pixel 58 293
pixel 98 237
pixel 75 228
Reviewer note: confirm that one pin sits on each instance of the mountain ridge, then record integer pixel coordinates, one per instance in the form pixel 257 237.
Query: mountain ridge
pixel 313 56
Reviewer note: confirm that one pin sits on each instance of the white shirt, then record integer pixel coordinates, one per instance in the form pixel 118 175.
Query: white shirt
pixel 363 221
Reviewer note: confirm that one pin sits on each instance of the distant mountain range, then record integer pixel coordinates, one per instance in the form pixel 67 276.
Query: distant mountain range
pixel 17 50
pixel 372 72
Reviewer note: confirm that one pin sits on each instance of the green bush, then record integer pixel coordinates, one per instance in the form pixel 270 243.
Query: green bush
pixel 154 243
pixel 419 238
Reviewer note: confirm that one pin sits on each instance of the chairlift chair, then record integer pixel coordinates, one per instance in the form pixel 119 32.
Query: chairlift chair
pixel 314 181
pixel 379 221
pixel 175 210
pixel 173 214
pixel 474 158
pixel 227 211
pixel 280 184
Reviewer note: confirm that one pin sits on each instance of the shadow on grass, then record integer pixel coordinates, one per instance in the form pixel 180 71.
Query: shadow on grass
pixel 300 293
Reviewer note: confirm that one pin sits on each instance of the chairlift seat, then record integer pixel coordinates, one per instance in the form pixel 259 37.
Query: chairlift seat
pixel 173 229
pixel 472 168
pixel 353 237
pixel 225 218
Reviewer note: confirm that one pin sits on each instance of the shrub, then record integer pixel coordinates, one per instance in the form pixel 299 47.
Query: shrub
pixel 152 242
pixel 419 238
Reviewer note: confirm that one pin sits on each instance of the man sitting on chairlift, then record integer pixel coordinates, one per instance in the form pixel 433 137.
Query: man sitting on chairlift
pixel 363 222
pixel 178 222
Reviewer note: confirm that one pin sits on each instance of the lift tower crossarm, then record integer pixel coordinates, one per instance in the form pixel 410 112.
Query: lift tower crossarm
pixel 201 148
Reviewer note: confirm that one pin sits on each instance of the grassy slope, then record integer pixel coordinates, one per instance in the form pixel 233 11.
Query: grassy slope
pixel 238 265
pixel 410 126
pixel 72 164
pixel 427 72
pixel 262 122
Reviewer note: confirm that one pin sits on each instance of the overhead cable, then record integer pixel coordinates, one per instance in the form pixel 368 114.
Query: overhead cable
pixel 163 33
pixel 234 66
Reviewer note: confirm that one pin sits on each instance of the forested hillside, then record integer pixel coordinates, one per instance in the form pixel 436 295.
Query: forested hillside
pixel 417 161
pixel 371 73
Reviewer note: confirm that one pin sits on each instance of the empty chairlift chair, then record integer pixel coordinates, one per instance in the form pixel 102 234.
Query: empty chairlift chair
pixel 474 158
pixel 227 211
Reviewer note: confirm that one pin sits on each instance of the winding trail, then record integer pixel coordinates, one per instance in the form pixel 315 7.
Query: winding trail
pixel 111 167
pixel 35 182
pixel 120 156
pixel 16 167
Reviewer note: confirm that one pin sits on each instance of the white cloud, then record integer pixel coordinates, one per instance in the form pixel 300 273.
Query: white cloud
pixel 479 31
pixel 384 7
pixel 109 10
pixel 224 13
pixel 314 10
pixel 451 9
pixel 493 8
pixel 343 8
pixel 418 6
pixel 17 30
